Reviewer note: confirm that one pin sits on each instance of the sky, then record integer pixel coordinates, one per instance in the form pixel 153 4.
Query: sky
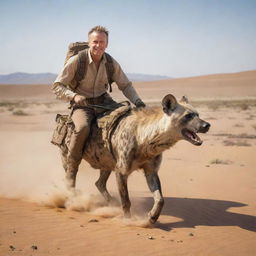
pixel 175 38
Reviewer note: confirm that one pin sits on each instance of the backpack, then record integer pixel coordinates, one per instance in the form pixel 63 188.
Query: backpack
pixel 81 48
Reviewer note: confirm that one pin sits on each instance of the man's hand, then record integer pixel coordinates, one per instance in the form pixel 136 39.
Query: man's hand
pixel 79 100
pixel 140 104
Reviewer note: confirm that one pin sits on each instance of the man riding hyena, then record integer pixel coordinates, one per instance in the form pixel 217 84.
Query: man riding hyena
pixel 90 90
pixel 133 139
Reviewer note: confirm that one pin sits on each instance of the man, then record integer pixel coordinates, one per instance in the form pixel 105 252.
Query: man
pixel 91 90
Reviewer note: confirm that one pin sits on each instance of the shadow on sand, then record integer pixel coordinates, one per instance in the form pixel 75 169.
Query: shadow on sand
pixel 199 212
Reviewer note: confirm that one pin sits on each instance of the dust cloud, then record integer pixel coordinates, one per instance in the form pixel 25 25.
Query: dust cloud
pixel 30 166
pixel 81 201
pixel 31 170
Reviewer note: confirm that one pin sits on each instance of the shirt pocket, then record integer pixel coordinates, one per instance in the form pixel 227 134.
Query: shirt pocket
pixel 103 82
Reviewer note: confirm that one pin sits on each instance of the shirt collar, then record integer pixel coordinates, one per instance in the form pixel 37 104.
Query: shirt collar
pixel 104 60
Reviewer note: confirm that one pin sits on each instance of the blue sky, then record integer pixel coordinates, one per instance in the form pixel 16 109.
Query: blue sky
pixel 177 38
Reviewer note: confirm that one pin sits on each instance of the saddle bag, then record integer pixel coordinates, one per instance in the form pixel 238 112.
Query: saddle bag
pixel 63 122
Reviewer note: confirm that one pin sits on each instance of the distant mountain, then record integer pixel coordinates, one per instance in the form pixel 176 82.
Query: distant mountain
pixel 48 78
pixel 26 78
pixel 144 77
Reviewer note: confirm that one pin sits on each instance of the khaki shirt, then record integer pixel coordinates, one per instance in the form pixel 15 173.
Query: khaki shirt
pixel 95 82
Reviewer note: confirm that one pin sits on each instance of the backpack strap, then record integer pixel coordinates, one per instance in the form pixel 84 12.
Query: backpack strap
pixel 110 70
pixel 83 65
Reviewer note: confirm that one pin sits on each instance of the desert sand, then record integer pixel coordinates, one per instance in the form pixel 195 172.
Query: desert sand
pixel 209 190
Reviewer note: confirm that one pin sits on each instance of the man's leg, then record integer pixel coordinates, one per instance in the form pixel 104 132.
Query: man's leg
pixel 82 120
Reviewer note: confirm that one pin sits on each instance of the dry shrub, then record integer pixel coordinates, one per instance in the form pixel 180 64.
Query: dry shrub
pixel 19 112
pixel 243 136
pixel 210 118
pixel 219 161
pixel 238 125
pixel 250 117
pixel 236 136
pixel 244 106
pixel 5 104
pixel 215 105
pixel 222 134
pixel 239 143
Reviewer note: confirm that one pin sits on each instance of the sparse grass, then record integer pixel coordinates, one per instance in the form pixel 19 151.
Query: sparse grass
pixel 10 109
pixel 236 136
pixel 243 104
pixel 250 117
pixel 5 104
pixel 214 106
pixel 219 161
pixel 19 112
pixel 238 125
pixel 239 143
pixel 243 136
pixel 13 104
pixel 222 134
pixel 24 108
pixel 25 104
pixel 210 118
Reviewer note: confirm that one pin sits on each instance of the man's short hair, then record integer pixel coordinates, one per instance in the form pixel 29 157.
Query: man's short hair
pixel 99 29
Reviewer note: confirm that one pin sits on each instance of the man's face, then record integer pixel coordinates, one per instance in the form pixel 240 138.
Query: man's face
pixel 98 42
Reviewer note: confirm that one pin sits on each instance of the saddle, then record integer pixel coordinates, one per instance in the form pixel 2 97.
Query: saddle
pixel 106 122
pixel 110 120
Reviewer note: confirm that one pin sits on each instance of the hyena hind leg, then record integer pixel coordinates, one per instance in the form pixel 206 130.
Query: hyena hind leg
pixel 101 184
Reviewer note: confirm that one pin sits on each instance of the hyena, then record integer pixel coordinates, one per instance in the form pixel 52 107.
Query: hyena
pixel 137 142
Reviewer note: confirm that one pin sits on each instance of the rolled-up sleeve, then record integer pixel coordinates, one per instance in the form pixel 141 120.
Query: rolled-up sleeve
pixel 62 92
pixel 62 86
pixel 123 83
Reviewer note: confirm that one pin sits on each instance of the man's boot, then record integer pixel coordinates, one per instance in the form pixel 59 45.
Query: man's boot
pixel 71 172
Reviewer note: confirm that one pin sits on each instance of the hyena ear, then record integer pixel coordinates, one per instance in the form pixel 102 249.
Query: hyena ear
pixel 169 103
pixel 184 99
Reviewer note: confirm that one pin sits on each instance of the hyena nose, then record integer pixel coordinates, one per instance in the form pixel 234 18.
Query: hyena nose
pixel 205 127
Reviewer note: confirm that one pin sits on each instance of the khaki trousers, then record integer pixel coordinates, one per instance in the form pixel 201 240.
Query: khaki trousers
pixel 82 118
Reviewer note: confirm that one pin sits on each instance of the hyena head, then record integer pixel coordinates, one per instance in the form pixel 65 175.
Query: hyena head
pixel 184 120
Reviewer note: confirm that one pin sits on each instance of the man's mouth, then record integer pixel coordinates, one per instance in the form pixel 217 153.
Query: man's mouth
pixel 191 136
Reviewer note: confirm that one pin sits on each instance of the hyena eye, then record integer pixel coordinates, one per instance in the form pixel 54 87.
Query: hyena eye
pixel 189 116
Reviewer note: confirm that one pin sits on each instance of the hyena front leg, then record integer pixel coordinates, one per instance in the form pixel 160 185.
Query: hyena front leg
pixel 123 191
pixel 150 170
pixel 155 187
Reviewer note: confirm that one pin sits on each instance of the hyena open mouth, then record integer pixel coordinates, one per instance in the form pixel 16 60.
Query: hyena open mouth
pixel 191 136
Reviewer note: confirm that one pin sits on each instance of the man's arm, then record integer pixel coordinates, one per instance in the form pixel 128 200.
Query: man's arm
pixel 62 86
pixel 62 92
pixel 132 95
pixel 125 85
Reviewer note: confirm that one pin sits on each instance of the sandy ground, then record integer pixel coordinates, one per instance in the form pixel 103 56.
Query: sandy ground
pixel 209 190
